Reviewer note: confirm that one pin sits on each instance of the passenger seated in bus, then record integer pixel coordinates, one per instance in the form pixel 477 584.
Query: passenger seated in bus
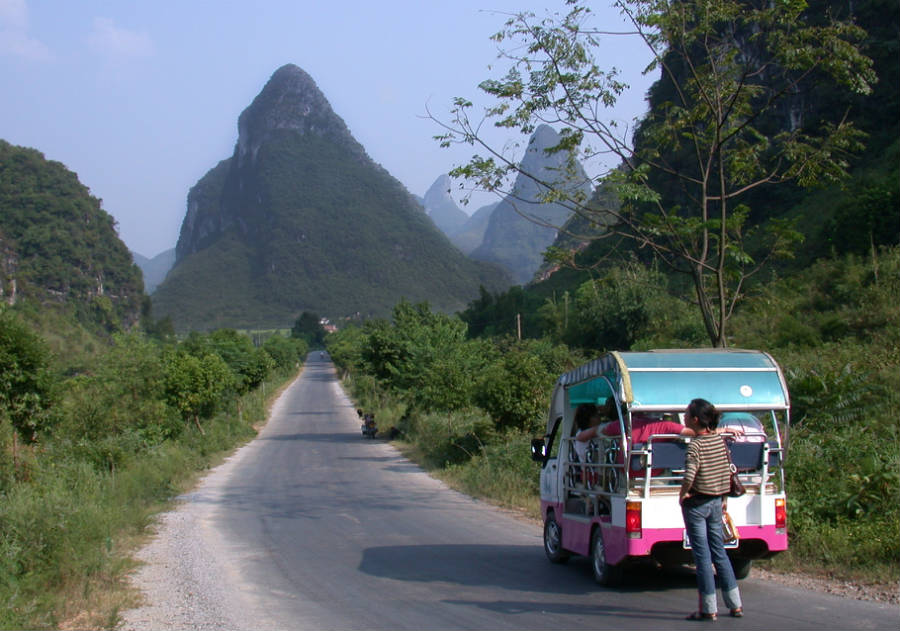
pixel 588 424
pixel 642 428
pixel 587 418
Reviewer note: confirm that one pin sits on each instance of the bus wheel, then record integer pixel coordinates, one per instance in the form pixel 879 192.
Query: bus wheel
pixel 741 567
pixel 604 573
pixel 553 540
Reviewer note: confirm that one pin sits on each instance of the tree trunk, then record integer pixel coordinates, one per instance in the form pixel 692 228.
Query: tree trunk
pixel 15 453
pixel 709 319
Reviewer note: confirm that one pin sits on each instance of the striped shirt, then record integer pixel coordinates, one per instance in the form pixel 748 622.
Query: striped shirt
pixel 706 466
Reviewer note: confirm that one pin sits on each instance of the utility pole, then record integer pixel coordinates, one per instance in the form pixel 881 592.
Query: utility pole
pixel 519 326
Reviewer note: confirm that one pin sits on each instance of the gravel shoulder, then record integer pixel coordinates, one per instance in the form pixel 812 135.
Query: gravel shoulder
pixel 879 592
pixel 183 579
pixel 187 577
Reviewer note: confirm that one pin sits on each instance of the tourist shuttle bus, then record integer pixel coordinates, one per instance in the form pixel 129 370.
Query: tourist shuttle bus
pixel 620 504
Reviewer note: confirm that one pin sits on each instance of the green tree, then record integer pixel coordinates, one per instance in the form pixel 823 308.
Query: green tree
pixel 726 120
pixel 346 347
pixel 249 365
pixel 26 384
pixel 513 388
pixel 285 351
pixel 122 392
pixel 194 385
pixel 309 327
pixel 423 355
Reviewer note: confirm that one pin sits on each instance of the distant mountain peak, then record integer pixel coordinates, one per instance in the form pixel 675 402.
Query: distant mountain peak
pixel 443 211
pixel 439 191
pixel 522 226
pixel 290 100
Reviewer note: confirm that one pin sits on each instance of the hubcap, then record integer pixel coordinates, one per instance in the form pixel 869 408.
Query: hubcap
pixel 599 558
pixel 552 539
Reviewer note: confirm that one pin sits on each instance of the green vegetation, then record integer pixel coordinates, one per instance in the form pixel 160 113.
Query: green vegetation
pixel 90 454
pixel 323 231
pixel 308 327
pixel 59 246
pixel 725 125
pixel 101 424
pixel 467 407
pixel 828 315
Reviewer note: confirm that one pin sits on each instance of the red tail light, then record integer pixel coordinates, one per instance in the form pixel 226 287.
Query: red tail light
pixel 633 519
pixel 780 514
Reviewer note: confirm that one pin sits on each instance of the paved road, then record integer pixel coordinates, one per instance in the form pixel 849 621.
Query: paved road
pixel 322 528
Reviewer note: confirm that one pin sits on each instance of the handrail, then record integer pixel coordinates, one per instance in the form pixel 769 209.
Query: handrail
pixel 606 479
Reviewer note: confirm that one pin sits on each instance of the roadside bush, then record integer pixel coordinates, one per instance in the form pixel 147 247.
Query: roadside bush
pixel 446 438
pixel 249 366
pixel 449 380
pixel 118 408
pixel 286 352
pixel 345 347
pixel 26 384
pixel 502 471
pixel 843 470
pixel 195 385
pixel 514 388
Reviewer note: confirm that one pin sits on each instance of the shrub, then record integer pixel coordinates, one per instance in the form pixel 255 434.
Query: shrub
pixel 194 386
pixel 286 352
pixel 450 438
pixel 514 388
pixel 503 471
pixel 26 384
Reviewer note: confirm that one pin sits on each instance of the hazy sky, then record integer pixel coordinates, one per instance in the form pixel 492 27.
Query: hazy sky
pixel 141 97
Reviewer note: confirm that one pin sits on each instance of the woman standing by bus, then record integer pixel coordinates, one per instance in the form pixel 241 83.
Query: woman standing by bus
pixel 707 476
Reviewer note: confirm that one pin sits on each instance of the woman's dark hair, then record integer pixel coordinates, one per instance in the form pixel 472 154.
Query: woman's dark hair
pixel 583 414
pixel 705 412
pixel 609 409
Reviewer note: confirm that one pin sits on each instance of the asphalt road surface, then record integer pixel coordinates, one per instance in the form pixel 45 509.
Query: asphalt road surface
pixel 317 527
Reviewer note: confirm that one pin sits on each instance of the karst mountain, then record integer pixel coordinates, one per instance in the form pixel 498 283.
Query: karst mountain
pixel 439 205
pixel 522 226
pixel 300 218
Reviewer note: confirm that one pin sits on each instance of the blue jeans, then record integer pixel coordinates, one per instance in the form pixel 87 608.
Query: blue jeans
pixel 703 520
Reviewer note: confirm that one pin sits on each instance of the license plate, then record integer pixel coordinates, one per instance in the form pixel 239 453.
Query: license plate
pixel 686 541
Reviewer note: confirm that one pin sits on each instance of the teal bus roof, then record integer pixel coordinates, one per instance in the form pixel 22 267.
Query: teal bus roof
pixel 669 379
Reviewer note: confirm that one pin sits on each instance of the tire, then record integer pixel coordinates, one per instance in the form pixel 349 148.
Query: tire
pixel 741 567
pixel 553 540
pixel 604 573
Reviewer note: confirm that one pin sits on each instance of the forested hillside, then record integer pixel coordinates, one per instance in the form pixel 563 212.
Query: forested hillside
pixel 59 247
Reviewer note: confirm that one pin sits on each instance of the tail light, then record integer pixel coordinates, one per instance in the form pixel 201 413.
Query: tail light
pixel 780 514
pixel 633 519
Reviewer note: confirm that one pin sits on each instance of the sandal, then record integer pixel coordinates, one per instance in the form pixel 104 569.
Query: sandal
pixel 699 615
pixel 738 612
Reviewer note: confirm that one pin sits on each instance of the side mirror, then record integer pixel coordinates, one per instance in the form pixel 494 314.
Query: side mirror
pixel 538 450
